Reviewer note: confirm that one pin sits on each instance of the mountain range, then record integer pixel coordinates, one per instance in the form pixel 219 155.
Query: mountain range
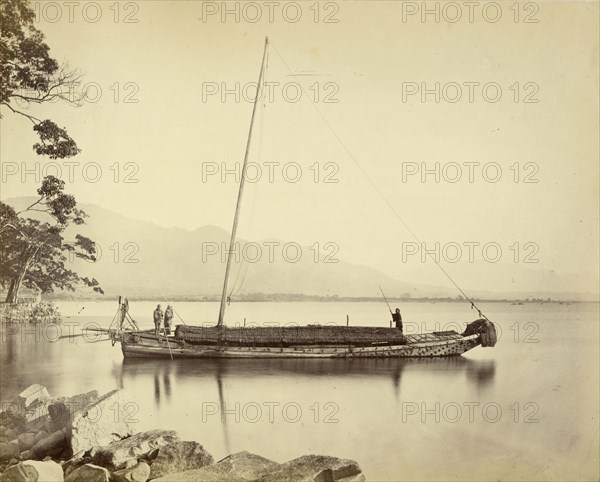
pixel 141 259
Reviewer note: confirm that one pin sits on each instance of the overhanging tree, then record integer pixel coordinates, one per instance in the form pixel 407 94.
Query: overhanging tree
pixel 30 76
pixel 34 252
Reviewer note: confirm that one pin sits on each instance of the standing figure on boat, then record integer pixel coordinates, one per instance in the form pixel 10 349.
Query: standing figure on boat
pixel 168 319
pixel 397 318
pixel 158 317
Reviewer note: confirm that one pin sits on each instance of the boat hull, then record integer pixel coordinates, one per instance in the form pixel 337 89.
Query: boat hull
pixel 136 346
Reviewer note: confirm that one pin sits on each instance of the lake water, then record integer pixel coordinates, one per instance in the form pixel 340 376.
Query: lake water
pixel 524 410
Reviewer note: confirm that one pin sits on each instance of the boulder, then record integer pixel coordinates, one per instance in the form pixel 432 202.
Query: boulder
pixel 8 451
pixel 239 467
pixel 52 414
pixel 63 410
pixel 10 421
pixel 38 420
pixel 88 473
pixel 53 445
pixel 26 440
pixel 41 435
pixel 33 471
pixel 75 462
pixel 140 472
pixel 315 468
pixel 32 394
pixel 107 420
pixel 7 434
pixel 178 456
pixel 125 453
pixel 29 404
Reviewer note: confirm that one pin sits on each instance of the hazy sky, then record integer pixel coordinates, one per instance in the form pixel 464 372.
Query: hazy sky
pixel 374 62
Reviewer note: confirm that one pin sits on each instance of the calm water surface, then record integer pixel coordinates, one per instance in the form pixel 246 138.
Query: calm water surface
pixel 524 410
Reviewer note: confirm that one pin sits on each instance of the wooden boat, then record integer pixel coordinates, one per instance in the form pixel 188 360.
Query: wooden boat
pixel 240 343
pixel 313 341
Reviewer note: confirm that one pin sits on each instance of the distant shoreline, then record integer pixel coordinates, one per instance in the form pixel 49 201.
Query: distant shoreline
pixel 284 298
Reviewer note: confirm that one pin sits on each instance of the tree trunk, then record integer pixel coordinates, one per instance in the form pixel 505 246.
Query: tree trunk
pixel 13 290
pixel 15 284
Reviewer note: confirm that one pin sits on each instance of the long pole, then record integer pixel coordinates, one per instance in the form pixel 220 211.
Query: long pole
pixel 168 345
pixel 239 198
pixel 386 301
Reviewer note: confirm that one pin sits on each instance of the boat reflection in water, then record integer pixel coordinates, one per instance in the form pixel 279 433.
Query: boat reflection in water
pixel 478 372
pixel 208 400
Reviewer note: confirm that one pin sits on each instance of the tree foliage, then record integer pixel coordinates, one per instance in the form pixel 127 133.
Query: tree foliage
pixel 36 255
pixel 29 75
pixel 34 252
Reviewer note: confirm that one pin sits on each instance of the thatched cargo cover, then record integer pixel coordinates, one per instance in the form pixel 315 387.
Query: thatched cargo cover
pixel 290 336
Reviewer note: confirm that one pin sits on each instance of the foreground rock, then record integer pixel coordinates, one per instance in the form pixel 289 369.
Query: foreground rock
pixel 242 467
pixel 10 421
pixel 62 411
pixel 89 473
pixel 33 471
pixel 8 451
pixel 163 451
pixel 316 468
pixel 140 472
pixel 95 440
pixel 247 467
pixel 7 434
pixel 54 445
pixel 125 453
pixel 26 401
pixel 179 456
pixel 52 414
pixel 107 420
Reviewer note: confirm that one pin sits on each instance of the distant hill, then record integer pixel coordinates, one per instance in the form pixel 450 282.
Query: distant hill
pixel 142 259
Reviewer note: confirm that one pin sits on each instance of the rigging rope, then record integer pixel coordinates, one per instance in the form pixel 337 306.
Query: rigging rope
pixel 235 289
pixel 373 185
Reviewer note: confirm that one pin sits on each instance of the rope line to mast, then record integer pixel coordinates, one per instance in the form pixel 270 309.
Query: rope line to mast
pixel 373 185
pixel 263 106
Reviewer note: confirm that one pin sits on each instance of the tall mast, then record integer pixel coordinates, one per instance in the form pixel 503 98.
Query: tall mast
pixel 242 181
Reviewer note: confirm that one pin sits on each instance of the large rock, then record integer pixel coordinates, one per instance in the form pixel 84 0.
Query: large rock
pixel 33 471
pixel 125 453
pixel 239 467
pixel 11 421
pixel 107 420
pixel 8 451
pixel 88 473
pixel 32 394
pixel 315 468
pixel 140 472
pixel 41 435
pixel 178 456
pixel 29 404
pixel 63 410
pixel 52 445
pixel 27 440
pixel 52 414
pixel 7 434
pixel 75 462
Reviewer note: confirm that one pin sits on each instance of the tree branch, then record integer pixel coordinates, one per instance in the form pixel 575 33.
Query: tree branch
pixel 33 119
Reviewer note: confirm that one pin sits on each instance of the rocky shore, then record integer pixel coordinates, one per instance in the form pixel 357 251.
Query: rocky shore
pixel 92 438
pixel 20 313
